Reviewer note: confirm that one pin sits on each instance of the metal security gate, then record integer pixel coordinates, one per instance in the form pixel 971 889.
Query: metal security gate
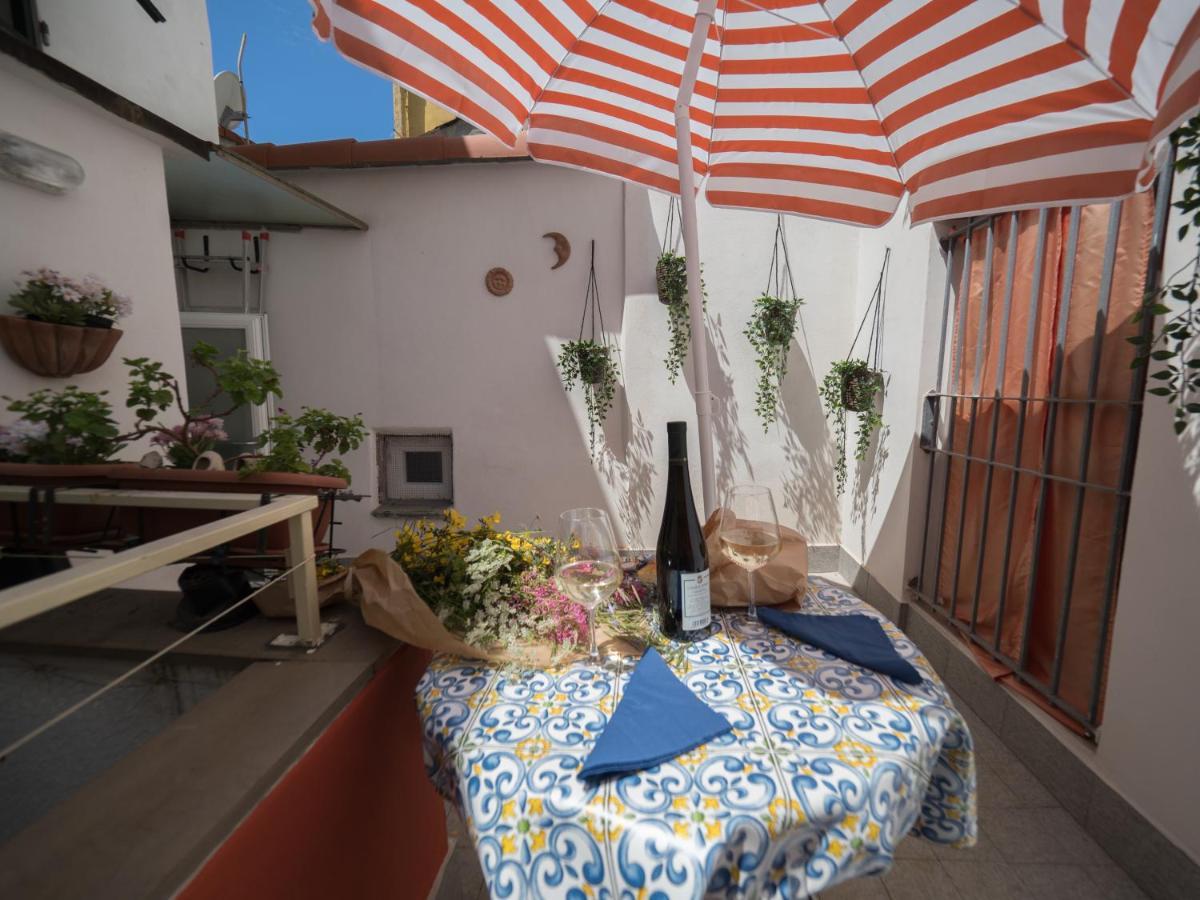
pixel 1031 435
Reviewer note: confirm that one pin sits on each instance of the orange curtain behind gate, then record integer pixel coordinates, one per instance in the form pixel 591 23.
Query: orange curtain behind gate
pixel 989 358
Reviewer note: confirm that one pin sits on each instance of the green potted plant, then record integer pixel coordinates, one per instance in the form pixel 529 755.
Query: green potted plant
pixel 770 331
pixel 592 366
pixel 65 327
pixel 68 437
pixel 852 386
pixel 154 392
pixel 62 437
pixel 302 444
pixel 670 277
pixel 68 427
pixel 671 281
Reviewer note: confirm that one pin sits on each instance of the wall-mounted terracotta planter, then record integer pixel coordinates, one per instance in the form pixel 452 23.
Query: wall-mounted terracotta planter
pixel 56 351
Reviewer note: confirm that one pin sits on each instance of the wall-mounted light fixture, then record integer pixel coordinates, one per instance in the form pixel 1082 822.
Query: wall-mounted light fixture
pixel 37 166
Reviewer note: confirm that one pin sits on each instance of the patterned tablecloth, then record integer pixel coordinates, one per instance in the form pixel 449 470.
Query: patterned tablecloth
pixel 828 768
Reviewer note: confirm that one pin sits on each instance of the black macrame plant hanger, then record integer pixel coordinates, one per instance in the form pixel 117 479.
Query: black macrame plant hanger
pixel 780 282
pixel 591 305
pixel 874 312
pixel 673 233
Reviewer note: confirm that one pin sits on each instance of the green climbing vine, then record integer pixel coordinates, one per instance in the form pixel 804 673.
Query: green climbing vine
pixel 1173 345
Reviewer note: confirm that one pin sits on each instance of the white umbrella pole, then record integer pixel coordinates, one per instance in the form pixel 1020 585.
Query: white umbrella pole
pixel 691 249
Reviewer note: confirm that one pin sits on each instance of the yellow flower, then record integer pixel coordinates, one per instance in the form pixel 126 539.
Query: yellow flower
pixel 712 803
pixel 537 840
pixel 850 822
pixel 680 803
pixel 507 810
pixel 712 830
pixel 835 848
pixel 508 844
pixel 682 829
pixel 873 832
pixel 535 806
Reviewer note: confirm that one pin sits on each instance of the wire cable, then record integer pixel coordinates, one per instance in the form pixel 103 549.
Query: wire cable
pixel 120 679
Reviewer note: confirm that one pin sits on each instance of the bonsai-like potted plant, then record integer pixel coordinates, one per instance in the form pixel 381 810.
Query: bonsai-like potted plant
pixel 64 326
pixel 852 386
pixel 770 332
pixel 303 443
pixel 153 392
pixel 591 364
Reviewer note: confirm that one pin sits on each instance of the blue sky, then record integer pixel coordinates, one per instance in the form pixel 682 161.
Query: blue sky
pixel 297 87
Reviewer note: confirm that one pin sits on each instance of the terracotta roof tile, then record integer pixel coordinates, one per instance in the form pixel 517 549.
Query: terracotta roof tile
pixel 348 153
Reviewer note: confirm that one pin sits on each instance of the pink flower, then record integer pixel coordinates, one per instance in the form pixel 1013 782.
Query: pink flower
pixel 201 432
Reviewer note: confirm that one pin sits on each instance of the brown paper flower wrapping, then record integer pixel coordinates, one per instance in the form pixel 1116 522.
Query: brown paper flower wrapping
pixel 784 578
pixel 390 603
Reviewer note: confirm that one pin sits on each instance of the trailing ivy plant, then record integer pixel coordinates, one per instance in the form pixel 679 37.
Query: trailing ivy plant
pixel 671 281
pixel 591 365
pixel 852 386
pixel 1173 345
pixel 770 331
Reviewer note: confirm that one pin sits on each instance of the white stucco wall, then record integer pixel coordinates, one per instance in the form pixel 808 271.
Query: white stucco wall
pixel 165 67
pixel 883 504
pixel 114 226
pixel 1148 743
pixel 396 323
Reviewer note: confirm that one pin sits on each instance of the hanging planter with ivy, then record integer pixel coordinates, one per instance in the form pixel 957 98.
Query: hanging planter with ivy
pixel 1173 345
pixel 590 362
pixel 670 278
pixel 856 386
pixel 771 328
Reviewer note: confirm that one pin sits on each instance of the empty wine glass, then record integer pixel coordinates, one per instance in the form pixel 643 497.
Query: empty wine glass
pixel 749 531
pixel 588 569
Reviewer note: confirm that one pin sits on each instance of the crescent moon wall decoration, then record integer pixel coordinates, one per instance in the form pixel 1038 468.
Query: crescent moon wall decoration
pixel 562 247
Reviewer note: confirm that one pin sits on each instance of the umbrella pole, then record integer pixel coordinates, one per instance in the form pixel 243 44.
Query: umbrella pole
pixel 691 249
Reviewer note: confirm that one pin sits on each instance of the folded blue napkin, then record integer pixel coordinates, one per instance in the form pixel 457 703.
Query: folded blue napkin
pixel 657 719
pixel 855 638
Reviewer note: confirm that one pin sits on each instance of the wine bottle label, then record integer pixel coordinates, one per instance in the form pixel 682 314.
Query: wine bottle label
pixel 697 605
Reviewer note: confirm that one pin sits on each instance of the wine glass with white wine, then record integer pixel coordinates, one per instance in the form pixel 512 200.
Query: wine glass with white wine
pixel 588 569
pixel 749 531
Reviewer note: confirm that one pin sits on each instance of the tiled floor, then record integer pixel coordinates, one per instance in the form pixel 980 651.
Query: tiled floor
pixel 1029 849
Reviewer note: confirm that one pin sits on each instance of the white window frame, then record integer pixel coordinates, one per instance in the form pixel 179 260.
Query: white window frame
pixel 258 346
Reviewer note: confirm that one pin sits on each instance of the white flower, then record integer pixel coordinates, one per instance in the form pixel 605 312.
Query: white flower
pixel 15 438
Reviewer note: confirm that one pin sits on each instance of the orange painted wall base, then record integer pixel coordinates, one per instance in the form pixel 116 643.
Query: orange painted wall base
pixel 355 817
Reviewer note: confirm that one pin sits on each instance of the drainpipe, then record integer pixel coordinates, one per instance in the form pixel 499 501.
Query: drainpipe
pixel 691 249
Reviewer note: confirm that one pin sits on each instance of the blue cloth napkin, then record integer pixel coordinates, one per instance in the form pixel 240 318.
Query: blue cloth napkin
pixel 657 719
pixel 855 638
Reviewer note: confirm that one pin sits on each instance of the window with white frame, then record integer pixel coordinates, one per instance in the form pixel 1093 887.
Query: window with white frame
pixel 416 469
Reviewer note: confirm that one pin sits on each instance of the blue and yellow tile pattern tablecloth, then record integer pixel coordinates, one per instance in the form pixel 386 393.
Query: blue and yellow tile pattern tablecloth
pixel 827 769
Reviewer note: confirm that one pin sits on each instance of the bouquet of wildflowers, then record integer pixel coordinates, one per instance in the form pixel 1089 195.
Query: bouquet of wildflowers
pixel 490 587
pixel 49 296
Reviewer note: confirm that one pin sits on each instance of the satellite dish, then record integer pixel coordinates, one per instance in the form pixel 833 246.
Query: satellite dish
pixel 231 99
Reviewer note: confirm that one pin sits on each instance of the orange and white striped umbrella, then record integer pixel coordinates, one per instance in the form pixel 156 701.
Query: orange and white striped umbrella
pixel 828 109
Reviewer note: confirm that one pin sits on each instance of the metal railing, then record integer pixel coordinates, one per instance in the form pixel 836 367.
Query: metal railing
pixel 949 412
pixel 250 515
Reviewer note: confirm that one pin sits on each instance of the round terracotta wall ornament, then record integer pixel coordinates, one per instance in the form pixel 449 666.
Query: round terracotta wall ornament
pixel 499 281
